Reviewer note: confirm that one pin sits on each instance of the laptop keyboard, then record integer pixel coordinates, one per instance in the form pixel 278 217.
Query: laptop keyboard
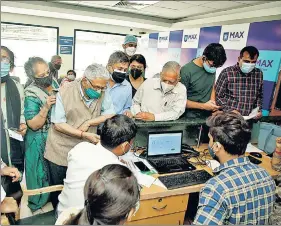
pixel 189 178
pixel 168 162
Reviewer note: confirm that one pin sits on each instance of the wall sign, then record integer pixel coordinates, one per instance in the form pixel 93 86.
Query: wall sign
pixel 66 41
pixel 66 50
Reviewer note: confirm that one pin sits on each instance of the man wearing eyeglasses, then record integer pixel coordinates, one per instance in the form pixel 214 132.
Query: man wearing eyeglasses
pixel 239 88
pixel 80 107
pixel 161 99
pixel 199 76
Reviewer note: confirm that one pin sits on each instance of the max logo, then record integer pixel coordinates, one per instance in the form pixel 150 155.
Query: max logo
pixel 233 35
pixel 190 37
pixel 162 39
pixel 265 63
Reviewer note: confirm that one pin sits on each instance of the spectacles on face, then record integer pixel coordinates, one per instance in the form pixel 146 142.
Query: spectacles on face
pixel 137 67
pixel 5 59
pixel 101 88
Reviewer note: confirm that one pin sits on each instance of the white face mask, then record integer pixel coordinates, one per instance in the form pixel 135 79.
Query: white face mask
pixel 130 50
pixel 71 77
pixel 167 87
pixel 247 67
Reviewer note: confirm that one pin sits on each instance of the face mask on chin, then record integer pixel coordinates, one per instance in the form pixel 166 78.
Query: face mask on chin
pixel 118 76
pixel 167 87
pixel 209 69
pixel 130 51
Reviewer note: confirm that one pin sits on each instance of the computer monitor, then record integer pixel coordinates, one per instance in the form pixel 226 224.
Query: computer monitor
pixel 164 143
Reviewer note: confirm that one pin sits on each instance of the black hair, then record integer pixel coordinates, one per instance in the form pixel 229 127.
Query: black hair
pixel 72 72
pixel 29 66
pixel 216 53
pixel 253 51
pixel 11 56
pixel 117 130
pixel 117 57
pixel 139 58
pixel 110 194
pixel 231 130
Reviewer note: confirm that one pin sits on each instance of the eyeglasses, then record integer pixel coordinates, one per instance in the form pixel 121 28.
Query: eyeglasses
pixel 96 87
pixel 5 59
pixel 137 67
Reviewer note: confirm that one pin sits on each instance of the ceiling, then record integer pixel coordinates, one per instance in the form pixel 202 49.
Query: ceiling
pixel 172 10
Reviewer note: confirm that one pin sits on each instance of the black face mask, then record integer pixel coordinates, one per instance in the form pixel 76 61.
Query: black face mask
pixel 136 73
pixel 44 82
pixel 57 66
pixel 118 77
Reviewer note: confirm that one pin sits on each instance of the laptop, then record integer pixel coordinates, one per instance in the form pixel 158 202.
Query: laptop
pixel 164 152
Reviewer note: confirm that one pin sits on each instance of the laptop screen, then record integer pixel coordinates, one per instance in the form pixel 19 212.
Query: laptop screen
pixel 164 143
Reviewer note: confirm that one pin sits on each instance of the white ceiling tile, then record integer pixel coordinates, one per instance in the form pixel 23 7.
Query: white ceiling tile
pixel 157 10
pixel 173 5
pixel 195 2
pixel 98 3
pixel 224 5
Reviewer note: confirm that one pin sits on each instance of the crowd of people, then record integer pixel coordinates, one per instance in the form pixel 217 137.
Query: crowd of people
pixel 74 130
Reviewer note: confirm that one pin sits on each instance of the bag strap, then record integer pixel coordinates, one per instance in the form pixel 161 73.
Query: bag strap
pixel 267 138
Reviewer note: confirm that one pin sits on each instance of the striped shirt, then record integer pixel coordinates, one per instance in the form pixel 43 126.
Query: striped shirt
pixel 241 193
pixel 238 91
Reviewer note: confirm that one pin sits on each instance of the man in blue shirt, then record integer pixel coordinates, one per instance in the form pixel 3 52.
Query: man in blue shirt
pixel 119 88
pixel 241 192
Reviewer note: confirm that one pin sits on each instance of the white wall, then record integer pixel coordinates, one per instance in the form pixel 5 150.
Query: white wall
pixel 66 28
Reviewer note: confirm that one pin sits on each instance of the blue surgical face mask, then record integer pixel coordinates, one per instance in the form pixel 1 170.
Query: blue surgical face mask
pixel 209 69
pixel 211 151
pixel 5 69
pixel 93 94
pixel 247 67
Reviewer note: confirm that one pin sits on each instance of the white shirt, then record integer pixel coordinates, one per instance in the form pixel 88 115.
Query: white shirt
pixel 83 160
pixel 164 106
pixel 3 193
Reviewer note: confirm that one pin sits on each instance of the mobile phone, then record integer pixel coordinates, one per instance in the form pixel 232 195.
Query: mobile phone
pixel 254 160
pixel 142 167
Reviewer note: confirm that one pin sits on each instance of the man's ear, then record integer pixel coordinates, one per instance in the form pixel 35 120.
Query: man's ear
pixel 124 46
pixel 218 145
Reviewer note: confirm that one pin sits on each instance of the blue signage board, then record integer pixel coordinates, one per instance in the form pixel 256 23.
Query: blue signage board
pixel 66 50
pixel 66 41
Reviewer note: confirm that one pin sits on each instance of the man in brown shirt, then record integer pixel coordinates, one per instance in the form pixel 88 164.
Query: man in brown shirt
pixel 75 117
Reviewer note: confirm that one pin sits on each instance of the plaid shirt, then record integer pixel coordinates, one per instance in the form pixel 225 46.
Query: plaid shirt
pixel 242 193
pixel 238 91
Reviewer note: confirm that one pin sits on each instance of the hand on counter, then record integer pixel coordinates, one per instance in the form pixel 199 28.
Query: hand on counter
pixel 128 113
pixel 145 116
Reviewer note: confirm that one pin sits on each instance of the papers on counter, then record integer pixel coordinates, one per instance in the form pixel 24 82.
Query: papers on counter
pixel 253 114
pixel 252 148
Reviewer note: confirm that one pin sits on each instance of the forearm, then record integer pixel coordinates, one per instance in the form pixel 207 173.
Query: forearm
pixel 39 120
pixel 194 105
pixel 68 130
pixel 100 119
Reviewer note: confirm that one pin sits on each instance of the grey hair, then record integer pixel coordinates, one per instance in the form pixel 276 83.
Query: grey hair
pixel 117 57
pixel 94 71
pixel 29 66
pixel 171 66
pixel 55 57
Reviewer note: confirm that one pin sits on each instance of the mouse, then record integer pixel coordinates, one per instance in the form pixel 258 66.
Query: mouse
pixel 256 154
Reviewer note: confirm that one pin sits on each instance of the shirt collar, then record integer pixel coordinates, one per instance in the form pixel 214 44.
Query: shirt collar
pixel 100 147
pixel 157 85
pixel 233 163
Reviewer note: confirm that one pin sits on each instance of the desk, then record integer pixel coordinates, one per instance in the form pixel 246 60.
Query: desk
pixel 161 206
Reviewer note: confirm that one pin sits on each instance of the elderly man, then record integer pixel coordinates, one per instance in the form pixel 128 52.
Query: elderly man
pixel 55 65
pixel 119 88
pixel 161 99
pixel 80 107
pixel 130 45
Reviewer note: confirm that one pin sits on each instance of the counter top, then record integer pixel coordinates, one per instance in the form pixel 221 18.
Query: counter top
pixel 184 121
